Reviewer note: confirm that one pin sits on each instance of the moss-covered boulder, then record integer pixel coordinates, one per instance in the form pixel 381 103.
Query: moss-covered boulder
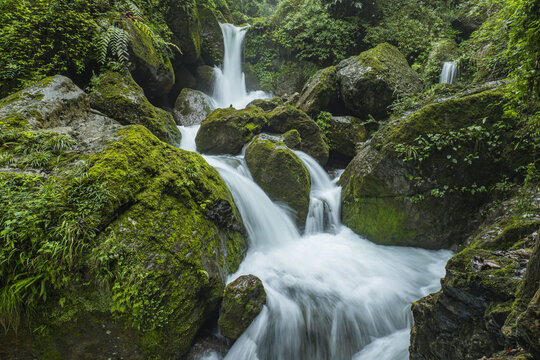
pixel 268 104
pixel 150 67
pixel 344 134
pixel 120 98
pixel 287 117
pixel 226 131
pixel 441 51
pixel 191 107
pixel 131 240
pixel 212 47
pixel 281 174
pixel 483 286
pixel 183 20
pixel 243 300
pixel 204 79
pixel 529 327
pixel 250 75
pixel 400 187
pixel 320 93
pixel 292 139
pixel 370 81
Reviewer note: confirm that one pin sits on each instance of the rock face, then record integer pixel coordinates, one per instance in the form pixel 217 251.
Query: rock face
pixel 471 316
pixel 396 202
pixel 155 226
pixel 120 98
pixel 285 118
pixel 183 20
pixel 441 51
pixel 320 93
pixel 529 327
pixel 212 48
pixel 344 134
pixel 226 131
pixel 191 107
pixel 150 68
pixel 281 174
pixel 243 300
pixel 204 78
pixel 370 81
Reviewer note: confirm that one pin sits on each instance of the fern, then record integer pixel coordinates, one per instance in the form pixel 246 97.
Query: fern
pixel 113 40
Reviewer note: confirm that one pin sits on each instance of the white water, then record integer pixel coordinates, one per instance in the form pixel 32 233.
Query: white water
pixel 448 73
pixel 330 293
pixel 230 84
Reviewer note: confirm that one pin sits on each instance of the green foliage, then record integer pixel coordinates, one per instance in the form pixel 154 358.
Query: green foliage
pixel 253 8
pixel 323 121
pixel 44 37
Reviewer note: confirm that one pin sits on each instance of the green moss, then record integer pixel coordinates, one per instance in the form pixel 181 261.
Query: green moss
pixel 320 92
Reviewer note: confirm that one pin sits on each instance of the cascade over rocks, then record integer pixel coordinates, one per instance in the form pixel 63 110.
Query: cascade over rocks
pixel 370 81
pixel 379 189
pixel 150 67
pixel 120 98
pixel 226 131
pixel 165 213
pixel 243 300
pixel 286 117
pixel 281 174
pixel 472 316
pixel 191 107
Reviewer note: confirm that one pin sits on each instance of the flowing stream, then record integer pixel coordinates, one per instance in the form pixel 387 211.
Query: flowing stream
pixel 331 294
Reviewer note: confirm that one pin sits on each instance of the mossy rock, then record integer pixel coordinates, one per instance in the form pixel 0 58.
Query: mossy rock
pixel 292 139
pixel 119 97
pixel 382 196
pixel 243 300
pixel 183 20
pixel 320 93
pixel 191 107
pixel 281 174
pixel 150 67
pixel 370 81
pixel 268 104
pixel 250 74
pixel 204 79
pixel 226 131
pixel 344 134
pixel 287 117
pixel 212 47
pixel 441 51
pixel 528 326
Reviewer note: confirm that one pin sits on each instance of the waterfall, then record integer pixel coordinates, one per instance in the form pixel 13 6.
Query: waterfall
pixel 229 83
pixel 330 293
pixel 448 73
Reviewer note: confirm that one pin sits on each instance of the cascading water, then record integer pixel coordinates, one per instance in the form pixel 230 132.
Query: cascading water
pixel 448 73
pixel 330 293
pixel 230 84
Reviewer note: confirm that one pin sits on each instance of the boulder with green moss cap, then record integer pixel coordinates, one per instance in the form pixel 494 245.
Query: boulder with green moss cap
pixel 226 131
pixel 281 174
pixel 268 104
pixel 191 107
pixel 344 134
pixel 120 98
pixel 287 117
pixel 370 81
pixel 243 300
pixel 183 20
pixel 321 92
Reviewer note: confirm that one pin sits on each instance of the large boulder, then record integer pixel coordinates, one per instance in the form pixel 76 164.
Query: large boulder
pixel 483 285
pixel 268 104
pixel 212 47
pixel 150 67
pixel 287 117
pixel 191 107
pixel 226 131
pixel 243 300
pixel 529 327
pixel 281 174
pixel 131 240
pixel 370 81
pixel 344 133
pixel 204 79
pixel 120 98
pixel 183 20
pixel 400 187
pixel 320 93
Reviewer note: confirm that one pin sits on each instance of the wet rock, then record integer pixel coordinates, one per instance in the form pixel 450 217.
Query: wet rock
pixel 441 51
pixel 528 327
pixel 212 47
pixel 281 174
pixel 120 98
pixel 370 81
pixel 204 79
pixel 225 131
pixel 183 20
pixel 243 300
pixel 267 104
pixel 344 134
pixel 191 107
pixel 292 139
pixel 287 117
pixel 320 93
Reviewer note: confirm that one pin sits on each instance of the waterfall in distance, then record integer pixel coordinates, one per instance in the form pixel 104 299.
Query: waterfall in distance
pixel 448 73
pixel 230 83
